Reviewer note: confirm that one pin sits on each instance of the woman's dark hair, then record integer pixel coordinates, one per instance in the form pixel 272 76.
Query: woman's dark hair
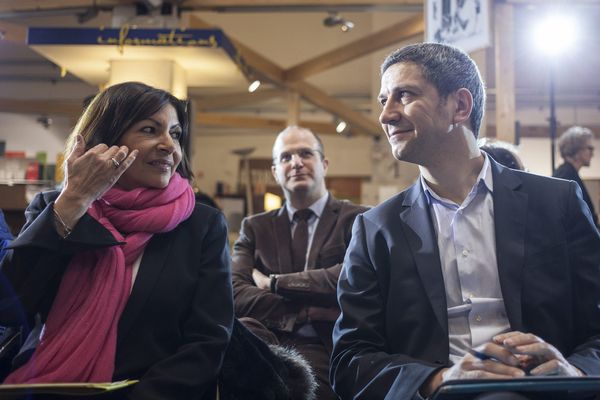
pixel 116 109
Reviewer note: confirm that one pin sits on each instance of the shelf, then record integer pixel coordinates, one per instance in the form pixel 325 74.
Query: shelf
pixel 12 182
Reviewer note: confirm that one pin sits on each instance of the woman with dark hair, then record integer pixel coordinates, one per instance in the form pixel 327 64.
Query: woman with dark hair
pixel 129 275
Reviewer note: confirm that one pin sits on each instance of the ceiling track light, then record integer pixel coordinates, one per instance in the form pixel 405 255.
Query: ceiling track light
pixel 333 19
pixel 341 127
pixel 346 26
pixel 253 85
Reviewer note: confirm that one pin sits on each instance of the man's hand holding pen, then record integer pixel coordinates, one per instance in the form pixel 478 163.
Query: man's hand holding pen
pixel 489 361
pixel 537 357
pixel 509 355
pixel 512 355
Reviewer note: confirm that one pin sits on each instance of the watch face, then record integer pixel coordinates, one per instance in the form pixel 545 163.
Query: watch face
pixel 273 285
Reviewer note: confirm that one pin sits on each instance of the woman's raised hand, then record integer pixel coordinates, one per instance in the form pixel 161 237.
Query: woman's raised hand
pixel 88 175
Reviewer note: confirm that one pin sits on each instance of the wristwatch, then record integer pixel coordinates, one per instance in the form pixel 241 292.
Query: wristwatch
pixel 273 285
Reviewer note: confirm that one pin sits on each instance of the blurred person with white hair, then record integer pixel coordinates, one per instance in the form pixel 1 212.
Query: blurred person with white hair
pixel 576 149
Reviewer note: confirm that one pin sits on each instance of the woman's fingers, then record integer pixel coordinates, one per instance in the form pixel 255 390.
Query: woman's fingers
pixel 117 153
pixel 77 150
pixel 94 172
pixel 102 160
pixel 126 162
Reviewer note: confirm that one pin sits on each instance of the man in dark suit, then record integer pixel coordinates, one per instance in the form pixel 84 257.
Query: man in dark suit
pixel 286 262
pixel 475 271
pixel 577 149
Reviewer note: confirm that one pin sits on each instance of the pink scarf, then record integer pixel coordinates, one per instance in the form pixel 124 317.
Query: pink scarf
pixel 79 341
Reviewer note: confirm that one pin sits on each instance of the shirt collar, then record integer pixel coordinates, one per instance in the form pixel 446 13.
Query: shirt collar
pixel 317 207
pixel 484 180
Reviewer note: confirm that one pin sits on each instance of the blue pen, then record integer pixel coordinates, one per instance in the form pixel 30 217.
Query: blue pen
pixel 480 355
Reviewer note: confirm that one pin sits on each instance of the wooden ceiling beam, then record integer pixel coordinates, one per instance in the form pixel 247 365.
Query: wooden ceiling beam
pixel 359 48
pixel 67 108
pixel 295 3
pixel 42 5
pixel 550 2
pixel 253 122
pixel 264 66
pixel 219 102
pixel 13 33
pixel 360 123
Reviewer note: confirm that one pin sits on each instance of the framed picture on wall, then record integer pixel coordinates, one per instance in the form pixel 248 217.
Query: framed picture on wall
pixel 462 23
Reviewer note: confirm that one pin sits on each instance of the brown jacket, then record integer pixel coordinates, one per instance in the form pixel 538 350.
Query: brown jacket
pixel 265 244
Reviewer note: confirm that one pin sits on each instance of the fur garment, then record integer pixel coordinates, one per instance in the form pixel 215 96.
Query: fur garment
pixel 253 370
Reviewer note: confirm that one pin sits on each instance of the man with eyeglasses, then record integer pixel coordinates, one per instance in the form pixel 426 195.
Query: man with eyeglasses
pixel 577 149
pixel 286 262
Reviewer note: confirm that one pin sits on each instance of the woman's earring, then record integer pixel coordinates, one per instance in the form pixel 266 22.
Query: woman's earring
pixel 451 127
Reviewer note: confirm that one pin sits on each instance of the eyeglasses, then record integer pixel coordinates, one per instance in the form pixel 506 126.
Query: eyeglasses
pixel 304 154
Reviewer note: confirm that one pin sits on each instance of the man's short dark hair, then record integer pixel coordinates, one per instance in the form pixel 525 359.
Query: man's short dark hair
pixel 448 69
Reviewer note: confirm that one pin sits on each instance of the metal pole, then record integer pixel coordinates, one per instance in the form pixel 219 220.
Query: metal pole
pixel 552 118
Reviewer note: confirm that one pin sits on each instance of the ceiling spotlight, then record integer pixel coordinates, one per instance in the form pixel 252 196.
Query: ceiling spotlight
pixel 346 26
pixel 253 86
pixel 333 19
pixel 341 126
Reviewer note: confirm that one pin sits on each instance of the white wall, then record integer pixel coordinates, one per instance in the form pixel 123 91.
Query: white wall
pixel 22 132
pixel 535 153
pixel 214 161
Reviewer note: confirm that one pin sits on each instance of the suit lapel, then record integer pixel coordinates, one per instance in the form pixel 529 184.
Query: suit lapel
pixel 422 241
pixel 325 225
pixel 283 241
pixel 152 263
pixel 510 213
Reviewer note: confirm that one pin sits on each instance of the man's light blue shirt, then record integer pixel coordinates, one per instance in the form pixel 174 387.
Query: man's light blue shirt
pixel 467 244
